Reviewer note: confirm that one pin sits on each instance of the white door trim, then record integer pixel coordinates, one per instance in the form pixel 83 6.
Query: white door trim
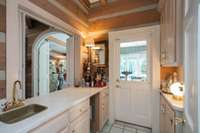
pixel 155 73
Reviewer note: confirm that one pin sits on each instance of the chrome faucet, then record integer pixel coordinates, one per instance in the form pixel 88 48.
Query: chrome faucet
pixel 15 102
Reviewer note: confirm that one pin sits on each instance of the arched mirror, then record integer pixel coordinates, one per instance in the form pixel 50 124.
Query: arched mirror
pixel 45 58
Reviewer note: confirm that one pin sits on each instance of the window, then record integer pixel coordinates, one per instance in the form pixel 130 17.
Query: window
pixel 133 61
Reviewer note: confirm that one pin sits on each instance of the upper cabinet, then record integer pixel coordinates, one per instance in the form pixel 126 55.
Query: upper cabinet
pixel 171 32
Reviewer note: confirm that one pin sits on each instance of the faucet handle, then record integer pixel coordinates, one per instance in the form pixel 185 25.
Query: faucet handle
pixel 5 106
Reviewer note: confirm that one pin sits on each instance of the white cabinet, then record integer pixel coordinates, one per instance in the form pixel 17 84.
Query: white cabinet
pixel 80 118
pixel 104 107
pixel 74 120
pixel 171 32
pixel 82 124
pixel 55 125
pixel 170 119
pixel 167 117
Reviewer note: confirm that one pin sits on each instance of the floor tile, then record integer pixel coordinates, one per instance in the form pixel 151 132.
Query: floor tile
pixel 118 125
pixel 146 130
pixel 130 129
pixel 126 131
pixel 139 131
pixel 107 128
pixel 116 130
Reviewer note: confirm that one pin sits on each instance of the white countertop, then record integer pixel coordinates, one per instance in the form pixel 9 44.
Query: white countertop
pixel 56 102
pixel 177 105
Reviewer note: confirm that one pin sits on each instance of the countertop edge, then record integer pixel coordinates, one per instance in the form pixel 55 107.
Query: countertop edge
pixel 173 106
pixel 93 92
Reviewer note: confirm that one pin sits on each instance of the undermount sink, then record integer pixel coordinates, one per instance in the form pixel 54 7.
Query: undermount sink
pixel 21 113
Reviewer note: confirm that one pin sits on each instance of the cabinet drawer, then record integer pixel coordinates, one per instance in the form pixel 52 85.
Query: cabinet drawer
pixel 54 125
pixel 81 124
pixel 77 110
pixel 104 93
pixel 66 130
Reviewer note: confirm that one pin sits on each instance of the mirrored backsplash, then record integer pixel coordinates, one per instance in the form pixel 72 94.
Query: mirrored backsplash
pixel 2 49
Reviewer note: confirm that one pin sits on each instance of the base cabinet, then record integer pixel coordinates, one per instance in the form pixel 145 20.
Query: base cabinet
pixel 104 107
pixel 74 120
pixel 168 118
pixel 77 118
pixel 55 125
pixel 82 124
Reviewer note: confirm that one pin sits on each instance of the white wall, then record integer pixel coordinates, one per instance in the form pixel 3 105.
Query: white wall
pixel 13 60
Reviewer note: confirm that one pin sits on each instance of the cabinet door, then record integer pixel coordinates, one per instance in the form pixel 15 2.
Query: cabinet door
pixel 106 109
pixel 66 130
pixel 164 30
pixel 162 115
pixel 54 125
pixel 171 25
pixel 171 32
pixel 169 120
pixel 82 124
pixel 104 101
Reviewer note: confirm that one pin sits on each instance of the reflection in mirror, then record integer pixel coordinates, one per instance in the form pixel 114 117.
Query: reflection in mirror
pixel 45 58
pixel 99 54
pixel 2 49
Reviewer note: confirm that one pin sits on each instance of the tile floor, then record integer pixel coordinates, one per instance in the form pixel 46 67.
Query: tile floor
pixel 120 127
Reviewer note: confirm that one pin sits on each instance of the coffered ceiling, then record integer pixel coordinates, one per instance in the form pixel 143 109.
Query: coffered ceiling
pixel 103 15
pixel 95 3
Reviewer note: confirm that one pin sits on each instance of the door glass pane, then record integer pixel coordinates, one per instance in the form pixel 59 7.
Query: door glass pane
pixel 133 61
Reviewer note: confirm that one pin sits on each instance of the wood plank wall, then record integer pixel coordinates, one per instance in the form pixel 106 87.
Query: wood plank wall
pixel 2 18
pixel 2 51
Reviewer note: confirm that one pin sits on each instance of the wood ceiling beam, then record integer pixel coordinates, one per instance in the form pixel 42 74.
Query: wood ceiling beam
pixel 118 6
pixel 130 20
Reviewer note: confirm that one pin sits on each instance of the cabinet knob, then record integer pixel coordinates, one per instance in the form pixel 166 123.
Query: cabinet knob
pixel 73 131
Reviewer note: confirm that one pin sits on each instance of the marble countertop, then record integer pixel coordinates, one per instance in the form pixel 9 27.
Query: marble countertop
pixel 57 103
pixel 177 105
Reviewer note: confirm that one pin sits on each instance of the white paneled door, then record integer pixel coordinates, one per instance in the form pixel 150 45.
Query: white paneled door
pixel 132 78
